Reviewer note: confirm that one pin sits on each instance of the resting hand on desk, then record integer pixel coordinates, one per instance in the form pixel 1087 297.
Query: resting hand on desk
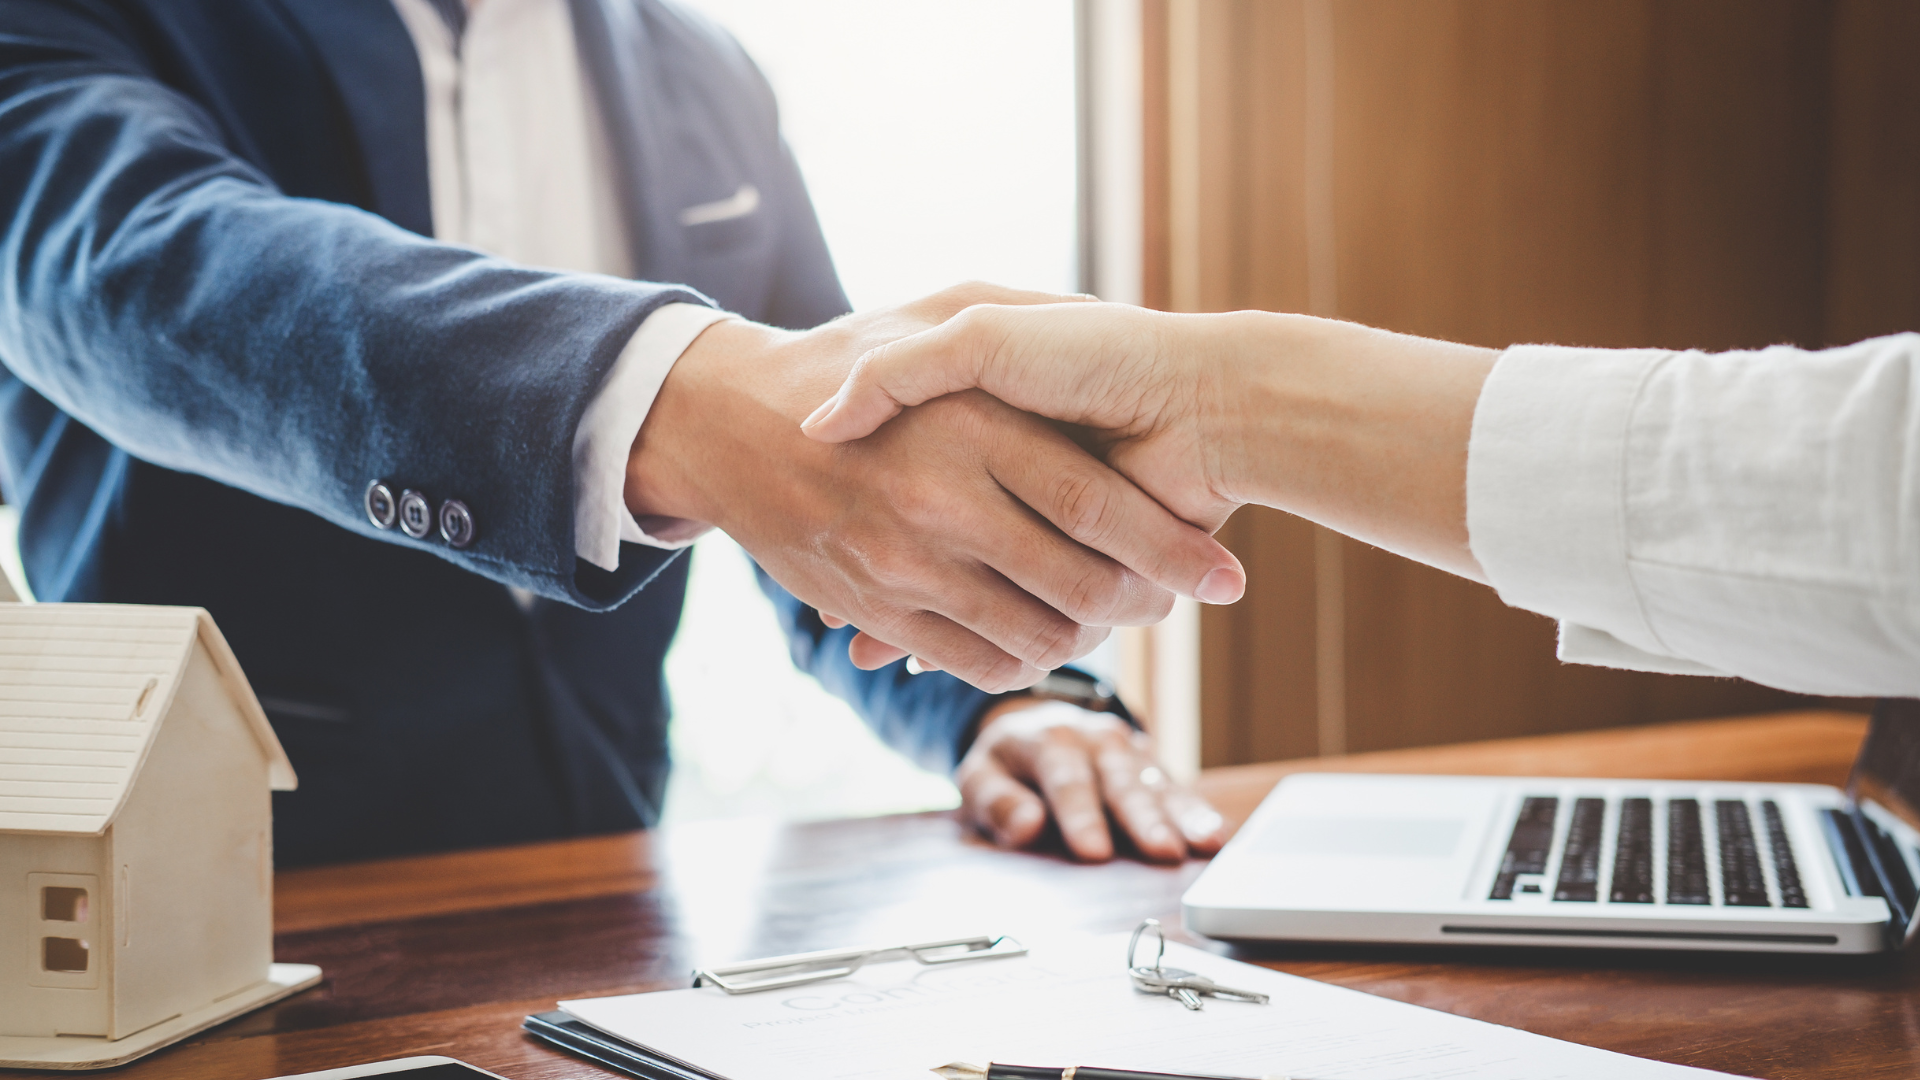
pixel 1033 758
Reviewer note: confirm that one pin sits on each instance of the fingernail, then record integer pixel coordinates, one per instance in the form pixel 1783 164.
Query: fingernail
pixel 820 413
pixel 1222 586
pixel 914 667
pixel 1200 823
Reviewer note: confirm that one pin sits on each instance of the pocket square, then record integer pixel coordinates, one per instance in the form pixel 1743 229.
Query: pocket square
pixel 739 204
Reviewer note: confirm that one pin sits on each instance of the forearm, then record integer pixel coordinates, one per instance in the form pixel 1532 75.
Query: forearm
pixel 1361 430
pixel 167 297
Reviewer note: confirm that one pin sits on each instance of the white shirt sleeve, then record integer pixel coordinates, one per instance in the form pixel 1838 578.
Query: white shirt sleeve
pixel 605 438
pixel 1746 513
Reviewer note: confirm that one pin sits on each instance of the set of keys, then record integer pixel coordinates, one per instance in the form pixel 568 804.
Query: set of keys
pixel 1183 986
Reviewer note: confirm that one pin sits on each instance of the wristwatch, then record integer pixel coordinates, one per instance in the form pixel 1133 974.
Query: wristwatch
pixel 1061 684
pixel 1082 689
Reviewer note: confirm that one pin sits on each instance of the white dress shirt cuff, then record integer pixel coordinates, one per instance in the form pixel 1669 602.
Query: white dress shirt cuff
pixel 1546 497
pixel 1585 645
pixel 607 430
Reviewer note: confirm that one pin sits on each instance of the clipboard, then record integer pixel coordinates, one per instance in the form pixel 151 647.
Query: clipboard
pixel 560 1030
pixel 754 976
pixel 1067 1002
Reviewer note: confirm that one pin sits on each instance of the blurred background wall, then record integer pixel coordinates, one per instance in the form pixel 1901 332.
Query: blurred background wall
pixel 1686 173
pixel 938 143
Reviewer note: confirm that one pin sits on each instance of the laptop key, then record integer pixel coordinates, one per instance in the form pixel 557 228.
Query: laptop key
pixel 1580 858
pixel 1527 848
pixel 1633 854
pixel 1785 870
pixel 1686 854
pixel 1742 882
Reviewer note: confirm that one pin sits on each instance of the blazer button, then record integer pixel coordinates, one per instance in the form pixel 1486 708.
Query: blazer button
pixel 456 523
pixel 416 517
pixel 380 507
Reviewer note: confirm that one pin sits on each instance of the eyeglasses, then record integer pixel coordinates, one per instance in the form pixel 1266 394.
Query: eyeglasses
pixel 779 972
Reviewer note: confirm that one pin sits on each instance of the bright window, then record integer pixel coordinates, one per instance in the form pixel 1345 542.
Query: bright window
pixel 938 142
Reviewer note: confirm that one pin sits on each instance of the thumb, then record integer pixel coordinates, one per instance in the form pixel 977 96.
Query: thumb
pixel 944 359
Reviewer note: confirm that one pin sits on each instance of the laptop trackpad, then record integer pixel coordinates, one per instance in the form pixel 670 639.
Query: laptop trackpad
pixel 1419 838
pixel 1346 842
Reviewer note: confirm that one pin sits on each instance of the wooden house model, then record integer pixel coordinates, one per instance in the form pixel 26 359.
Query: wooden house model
pixel 136 834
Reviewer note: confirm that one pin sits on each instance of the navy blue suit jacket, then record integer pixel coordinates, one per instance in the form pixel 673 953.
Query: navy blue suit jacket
pixel 221 316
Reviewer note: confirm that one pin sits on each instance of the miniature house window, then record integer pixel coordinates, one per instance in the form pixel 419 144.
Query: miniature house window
pixel 63 954
pixel 61 904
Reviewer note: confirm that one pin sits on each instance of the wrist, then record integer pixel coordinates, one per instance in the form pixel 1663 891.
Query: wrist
pixel 1236 396
pixel 669 467
pixel 1362 430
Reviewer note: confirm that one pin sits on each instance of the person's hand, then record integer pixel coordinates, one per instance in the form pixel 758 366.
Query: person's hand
pixel 1361 430
pixel 1033 759
pixel 1144 395
pixel 964 533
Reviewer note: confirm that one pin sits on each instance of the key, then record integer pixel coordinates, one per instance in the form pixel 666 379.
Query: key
pixel 1200 984
pixel 1187 988
pixel 1168 981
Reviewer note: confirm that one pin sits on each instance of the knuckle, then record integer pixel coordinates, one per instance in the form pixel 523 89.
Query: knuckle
pixel 1096 595
pixel 923 505
pixel 956 298
pixel 1158 605
pixel 979 323
pixel 1142 603
pixel 973 292
pixel 887 570
pixel 1052 642
pixel 1085 505
pixel 1005 674
pixel 970 407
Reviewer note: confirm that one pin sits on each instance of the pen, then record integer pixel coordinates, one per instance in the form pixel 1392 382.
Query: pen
pixel 960 1070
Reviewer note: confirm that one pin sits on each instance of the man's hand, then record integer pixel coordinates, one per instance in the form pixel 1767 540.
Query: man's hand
pixel 965 533
pixel 1034 757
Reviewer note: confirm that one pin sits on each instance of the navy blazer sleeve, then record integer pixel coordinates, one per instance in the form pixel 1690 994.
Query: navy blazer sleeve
pixel 158 288
pixel 927 717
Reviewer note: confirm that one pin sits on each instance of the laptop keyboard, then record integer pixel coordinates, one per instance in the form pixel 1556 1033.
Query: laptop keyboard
pixel 1784 866
pixel 1529 847
pixel 1742 883
pixel 1741 855
pixel 1580 858
pixel 1686 854
pixel 1633 855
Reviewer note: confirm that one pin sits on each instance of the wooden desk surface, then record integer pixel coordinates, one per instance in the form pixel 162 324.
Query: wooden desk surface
pixel 445 954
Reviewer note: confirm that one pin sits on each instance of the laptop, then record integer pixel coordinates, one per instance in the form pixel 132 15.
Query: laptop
pixel 1633 864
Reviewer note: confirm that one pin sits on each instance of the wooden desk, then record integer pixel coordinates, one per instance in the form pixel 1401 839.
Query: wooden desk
pixel 445 954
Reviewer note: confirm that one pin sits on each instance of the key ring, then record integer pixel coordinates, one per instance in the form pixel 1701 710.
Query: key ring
pixel 1134 945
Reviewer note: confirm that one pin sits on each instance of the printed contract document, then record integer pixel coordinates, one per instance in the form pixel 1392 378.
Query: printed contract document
pixel 1071 1003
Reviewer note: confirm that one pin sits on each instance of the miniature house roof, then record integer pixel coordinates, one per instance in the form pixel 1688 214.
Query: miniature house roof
pixel 83 691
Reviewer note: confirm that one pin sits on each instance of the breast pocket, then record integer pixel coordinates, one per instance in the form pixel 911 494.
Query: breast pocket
pixel 726 226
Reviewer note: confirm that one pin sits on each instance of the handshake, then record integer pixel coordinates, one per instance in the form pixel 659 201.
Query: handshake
pixel 894 470
pixel 974 536
pixel 990 480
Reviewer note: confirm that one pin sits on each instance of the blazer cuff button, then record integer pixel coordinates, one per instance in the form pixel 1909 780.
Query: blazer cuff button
pixel 380 506
pixel 456 523
pixel 416 517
